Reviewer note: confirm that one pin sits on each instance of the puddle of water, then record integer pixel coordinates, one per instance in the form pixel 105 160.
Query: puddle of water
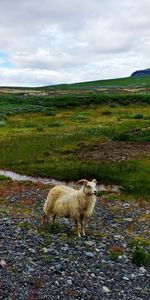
pixel 18 177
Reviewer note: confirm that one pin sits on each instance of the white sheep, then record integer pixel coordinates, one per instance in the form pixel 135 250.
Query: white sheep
pixel 67 202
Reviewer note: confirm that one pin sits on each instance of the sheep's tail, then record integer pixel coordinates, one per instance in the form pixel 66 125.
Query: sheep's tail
pixel 50 201
pixel 47 205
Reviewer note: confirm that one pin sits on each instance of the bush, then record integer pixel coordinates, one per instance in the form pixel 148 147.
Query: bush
pixel 140 257
pixel 106 112
pixel 121 137
pixel 138 116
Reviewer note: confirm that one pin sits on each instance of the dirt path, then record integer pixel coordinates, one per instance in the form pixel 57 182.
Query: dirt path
pixel 114 151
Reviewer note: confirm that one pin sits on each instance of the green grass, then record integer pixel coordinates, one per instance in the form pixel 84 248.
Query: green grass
pixel 37 143
pixel 3 178
pixel 109 83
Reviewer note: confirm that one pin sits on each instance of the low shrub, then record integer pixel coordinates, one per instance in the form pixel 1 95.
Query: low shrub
pixel 106 112
pixel 56 124
pixel 138 116
pixel 140 257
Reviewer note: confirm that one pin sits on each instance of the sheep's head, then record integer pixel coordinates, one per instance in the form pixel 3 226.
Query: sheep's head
pixel 89 187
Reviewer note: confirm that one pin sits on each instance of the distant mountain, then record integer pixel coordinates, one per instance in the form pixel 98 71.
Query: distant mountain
pixel 141 73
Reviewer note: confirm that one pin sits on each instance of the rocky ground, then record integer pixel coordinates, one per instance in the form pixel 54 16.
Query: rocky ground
pixel 37 262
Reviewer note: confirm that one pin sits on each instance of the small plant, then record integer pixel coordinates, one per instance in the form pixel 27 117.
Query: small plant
pixel 24 225
pixel 140 257
pixel 114 251
pixel 121 137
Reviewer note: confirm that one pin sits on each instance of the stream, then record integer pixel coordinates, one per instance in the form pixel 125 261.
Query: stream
pixel 18 177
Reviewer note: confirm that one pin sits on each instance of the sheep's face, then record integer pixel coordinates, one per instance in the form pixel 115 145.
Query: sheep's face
pixel 90 187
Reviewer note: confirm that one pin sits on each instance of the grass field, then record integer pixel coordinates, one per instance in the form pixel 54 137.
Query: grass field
pixel 46 136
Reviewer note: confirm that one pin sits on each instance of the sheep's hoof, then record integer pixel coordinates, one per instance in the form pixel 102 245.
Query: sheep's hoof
pixel 83 234
pixel 79 235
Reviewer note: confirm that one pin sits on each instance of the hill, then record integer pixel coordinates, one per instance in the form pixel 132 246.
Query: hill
pixel 129 82
pixel 141 73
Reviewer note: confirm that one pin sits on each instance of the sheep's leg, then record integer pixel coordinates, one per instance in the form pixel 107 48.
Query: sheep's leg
pixel 43 218
pixel 77 227
pixel 54 218
pixel 82 226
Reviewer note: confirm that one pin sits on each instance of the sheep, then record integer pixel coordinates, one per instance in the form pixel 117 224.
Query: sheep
pixel 64 201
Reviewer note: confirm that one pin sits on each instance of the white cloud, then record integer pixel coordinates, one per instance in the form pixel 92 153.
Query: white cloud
pixel 67 41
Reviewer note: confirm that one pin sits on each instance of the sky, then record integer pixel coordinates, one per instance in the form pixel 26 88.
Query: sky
pixel 64 41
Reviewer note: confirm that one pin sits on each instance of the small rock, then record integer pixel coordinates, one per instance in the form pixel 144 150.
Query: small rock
pixel 126 205
pixel 120 257
pixel 89 254
pixel 106 289
pixel 69 281
pixel 142 269
pixel 84 290
pixel 128 219
pixel 126 278
pixel 32 250
pixel 45 250
pixel 89 243
pixel 117 237
pixel 3 263
pixel 59 267
pixel 97 250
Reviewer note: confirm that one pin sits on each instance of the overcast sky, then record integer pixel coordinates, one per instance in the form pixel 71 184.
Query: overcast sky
pixel 62 41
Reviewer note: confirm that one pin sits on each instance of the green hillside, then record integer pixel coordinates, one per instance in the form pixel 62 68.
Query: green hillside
pixel 118 83
pixel 130 82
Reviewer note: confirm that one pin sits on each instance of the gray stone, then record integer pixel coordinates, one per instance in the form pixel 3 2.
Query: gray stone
pixel 89 254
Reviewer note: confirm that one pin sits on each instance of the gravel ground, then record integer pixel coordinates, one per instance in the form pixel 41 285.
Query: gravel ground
pixel 38 263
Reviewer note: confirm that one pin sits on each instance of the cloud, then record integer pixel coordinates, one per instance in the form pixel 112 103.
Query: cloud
pixel 49 42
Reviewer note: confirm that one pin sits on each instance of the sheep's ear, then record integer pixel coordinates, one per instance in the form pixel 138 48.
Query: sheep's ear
pixel 95 181
pixel 82 181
